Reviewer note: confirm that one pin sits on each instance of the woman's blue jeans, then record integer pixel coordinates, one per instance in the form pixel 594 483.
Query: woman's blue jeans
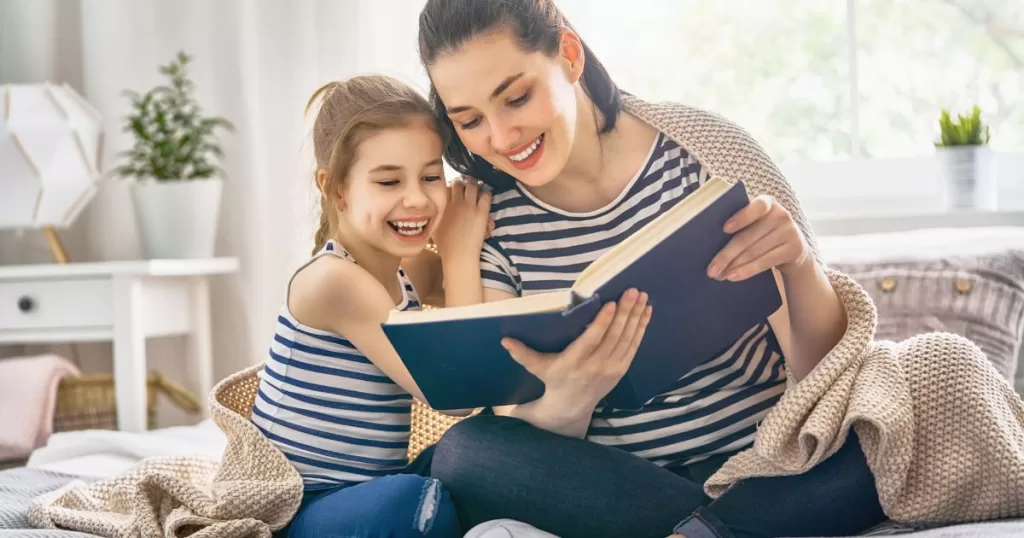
pixel 499 467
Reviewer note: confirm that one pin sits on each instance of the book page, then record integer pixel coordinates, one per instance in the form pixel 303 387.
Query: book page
pixel 529 304
pixel 625 253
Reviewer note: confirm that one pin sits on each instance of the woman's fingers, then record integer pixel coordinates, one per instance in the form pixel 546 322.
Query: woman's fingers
pixel 638 336
pixel 583 346
pixel 737 246
pixel 757 208
pixel 611 337
pixel 534 362
pixel 768 242
pixel 633 323
pixel 776 256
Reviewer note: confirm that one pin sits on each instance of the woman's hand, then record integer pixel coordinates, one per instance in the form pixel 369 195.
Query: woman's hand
pixel 576 379
pixel 766 237
pixel 465 222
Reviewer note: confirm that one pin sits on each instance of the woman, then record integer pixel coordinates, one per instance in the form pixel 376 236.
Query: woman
pixel 576 165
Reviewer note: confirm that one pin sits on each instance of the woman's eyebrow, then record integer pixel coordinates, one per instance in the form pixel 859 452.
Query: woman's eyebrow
pixel 497 91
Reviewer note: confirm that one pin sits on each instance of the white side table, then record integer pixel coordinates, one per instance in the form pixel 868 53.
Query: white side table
pixel 125 302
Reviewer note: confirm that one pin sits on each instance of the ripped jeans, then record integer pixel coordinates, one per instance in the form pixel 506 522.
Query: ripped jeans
pixel 405 505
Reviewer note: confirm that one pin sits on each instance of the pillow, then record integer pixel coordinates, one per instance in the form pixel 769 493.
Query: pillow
pixel 962 281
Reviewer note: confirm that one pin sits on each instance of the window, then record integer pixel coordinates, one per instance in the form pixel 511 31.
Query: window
pixel 821 80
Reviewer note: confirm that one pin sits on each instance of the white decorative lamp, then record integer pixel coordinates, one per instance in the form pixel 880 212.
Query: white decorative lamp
pixel 50 145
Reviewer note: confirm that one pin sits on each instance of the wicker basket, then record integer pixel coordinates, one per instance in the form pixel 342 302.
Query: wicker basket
pixel 87 402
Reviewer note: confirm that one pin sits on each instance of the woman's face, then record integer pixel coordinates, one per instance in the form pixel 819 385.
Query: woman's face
pixel 516 109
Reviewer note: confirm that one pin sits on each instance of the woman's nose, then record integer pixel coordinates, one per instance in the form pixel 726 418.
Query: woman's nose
pixel 503 138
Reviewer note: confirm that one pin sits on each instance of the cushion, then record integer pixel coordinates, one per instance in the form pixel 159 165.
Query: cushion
pixel 968 281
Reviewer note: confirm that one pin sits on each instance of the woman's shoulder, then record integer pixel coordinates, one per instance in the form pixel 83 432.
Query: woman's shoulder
pixel 723 147
pixel 687 123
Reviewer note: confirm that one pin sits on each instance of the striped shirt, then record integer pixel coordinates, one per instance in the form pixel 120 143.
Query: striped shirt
pixel 713 409
pixel 338 418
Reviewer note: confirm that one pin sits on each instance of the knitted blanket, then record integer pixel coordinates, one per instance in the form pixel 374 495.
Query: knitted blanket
pixel 942 431
pixel 252 490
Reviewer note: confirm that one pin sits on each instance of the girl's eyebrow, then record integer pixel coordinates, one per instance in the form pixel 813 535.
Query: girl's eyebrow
pixel 497 91
pixel 398 168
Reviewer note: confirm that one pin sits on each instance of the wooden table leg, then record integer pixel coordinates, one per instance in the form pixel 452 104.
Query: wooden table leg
pixel 200 342
pixel 129 356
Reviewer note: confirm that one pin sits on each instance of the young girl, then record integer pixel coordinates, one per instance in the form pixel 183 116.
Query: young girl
pixel 334 396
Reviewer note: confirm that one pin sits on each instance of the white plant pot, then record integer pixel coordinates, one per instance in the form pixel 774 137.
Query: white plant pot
pixel 969 177
pixel 177 219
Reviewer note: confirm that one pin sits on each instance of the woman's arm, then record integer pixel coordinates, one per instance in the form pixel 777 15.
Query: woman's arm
pixel 767 237
pixel 337 296
pixel 567 418
pixel 576 379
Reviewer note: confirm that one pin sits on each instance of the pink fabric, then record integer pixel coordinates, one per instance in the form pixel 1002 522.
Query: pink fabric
pixel 28 398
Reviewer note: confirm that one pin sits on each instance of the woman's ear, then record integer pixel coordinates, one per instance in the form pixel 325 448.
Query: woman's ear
pixel 572 52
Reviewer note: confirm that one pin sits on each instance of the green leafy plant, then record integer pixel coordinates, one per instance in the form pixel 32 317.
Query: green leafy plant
pixel 966 131
pixel 174 141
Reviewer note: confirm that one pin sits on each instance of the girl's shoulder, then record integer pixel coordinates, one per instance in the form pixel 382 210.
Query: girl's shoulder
pixel 330 291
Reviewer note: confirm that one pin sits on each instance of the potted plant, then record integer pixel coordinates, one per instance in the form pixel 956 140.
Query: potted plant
pixel 178 184
pixel 966 160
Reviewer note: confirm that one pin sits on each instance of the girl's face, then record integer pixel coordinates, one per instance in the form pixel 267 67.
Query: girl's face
pixel 515 109
pixel 395 190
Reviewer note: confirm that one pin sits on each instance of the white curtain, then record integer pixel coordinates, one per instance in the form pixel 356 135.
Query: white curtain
pixel 255 63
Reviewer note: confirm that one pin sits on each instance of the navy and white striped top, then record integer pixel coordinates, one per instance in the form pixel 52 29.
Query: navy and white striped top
pixel 338 418
pixel 714 408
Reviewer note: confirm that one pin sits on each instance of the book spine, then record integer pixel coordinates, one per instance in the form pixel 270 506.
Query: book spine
pixel 576 301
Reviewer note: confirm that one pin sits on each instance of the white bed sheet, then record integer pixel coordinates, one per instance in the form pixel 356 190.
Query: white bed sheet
pixel 104 454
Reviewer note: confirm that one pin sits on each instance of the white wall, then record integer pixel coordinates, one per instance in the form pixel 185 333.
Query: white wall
pixel 256 63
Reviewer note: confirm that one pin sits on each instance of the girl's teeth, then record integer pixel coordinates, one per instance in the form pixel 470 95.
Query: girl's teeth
pixel 409 228
pixel 526 152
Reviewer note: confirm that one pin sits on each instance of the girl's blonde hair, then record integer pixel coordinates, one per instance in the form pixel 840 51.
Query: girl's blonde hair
pixel 350 111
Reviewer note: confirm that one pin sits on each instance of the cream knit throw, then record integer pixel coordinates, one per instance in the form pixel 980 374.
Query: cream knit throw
pixel 941 429
pixel 251 492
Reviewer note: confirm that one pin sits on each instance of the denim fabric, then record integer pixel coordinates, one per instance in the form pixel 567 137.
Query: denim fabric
pixel 498 467
pixel 406 505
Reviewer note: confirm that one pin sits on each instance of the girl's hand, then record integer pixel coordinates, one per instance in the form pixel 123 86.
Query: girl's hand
pixel 464 224
pixel 766 237
pixel 590 367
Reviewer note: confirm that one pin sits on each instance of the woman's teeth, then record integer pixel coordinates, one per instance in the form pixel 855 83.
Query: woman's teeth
pixel 409 227
pixel 522 155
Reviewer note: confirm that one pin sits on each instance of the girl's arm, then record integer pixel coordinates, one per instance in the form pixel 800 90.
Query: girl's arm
pixel 459 237
pixel 425 272
pixel 337 296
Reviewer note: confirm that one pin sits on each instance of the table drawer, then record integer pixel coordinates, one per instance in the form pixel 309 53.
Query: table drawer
pixel 55 304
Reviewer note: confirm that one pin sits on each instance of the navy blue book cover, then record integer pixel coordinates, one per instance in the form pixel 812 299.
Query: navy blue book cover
pixel 460 364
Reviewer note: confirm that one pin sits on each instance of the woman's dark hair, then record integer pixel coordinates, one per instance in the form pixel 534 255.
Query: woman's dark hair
pixel 445 25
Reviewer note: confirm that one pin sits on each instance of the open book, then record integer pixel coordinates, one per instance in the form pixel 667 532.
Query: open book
pixel 456 358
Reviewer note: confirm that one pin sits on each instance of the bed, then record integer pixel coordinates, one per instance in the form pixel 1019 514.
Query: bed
pixel 928 280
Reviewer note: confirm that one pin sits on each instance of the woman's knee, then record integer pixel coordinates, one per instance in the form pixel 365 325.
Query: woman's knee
pixel 471 443
pixel 394 506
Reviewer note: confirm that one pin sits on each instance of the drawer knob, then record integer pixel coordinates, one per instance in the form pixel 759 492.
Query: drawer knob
pixel 26 304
